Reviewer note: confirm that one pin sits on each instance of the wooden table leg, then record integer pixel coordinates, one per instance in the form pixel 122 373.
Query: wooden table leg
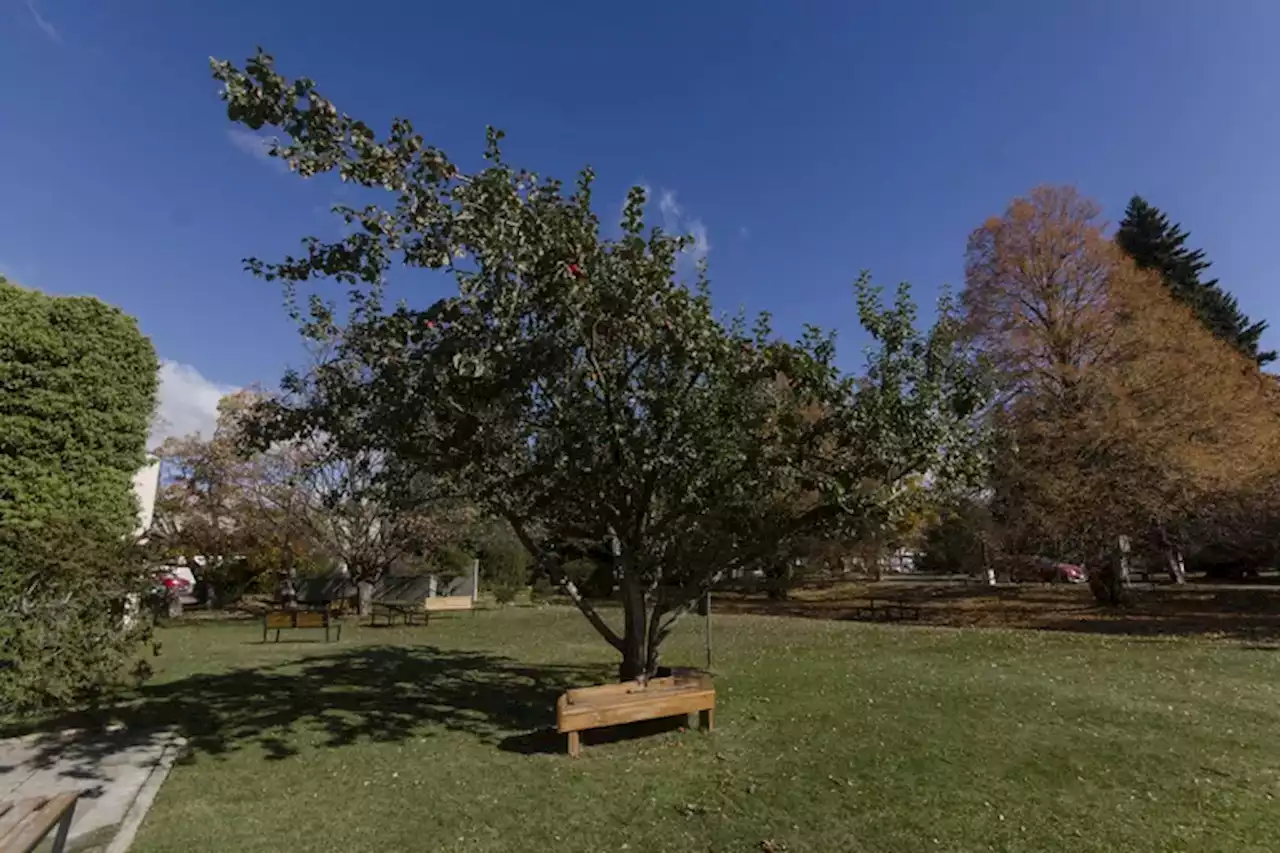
pixel 708 719
pixel 575 744
pixel 64 829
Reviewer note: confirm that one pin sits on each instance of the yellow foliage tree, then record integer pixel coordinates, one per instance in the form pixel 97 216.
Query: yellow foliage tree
pixel 1125 415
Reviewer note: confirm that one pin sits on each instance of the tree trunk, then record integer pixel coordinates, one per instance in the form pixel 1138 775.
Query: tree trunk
pixel 1110 583
pixel 1122 561
pixel 364 598
pixel 1177 568
pixel 778 579
pixel 635 657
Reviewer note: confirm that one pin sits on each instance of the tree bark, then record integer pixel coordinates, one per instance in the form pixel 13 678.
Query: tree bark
pixel 364 598
pixel 1110 583
pixel 635 652
pixel 1122 561
pixel 778 580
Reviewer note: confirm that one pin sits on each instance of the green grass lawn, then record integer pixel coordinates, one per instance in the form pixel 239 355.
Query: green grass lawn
pixel 830 736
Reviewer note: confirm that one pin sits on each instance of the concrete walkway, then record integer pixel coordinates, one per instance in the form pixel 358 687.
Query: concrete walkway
pixel 118 772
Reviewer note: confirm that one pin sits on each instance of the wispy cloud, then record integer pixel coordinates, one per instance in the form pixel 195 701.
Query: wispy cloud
pixel 701 245
pixel 48 28
pixel 256 146
pixel 670 210
pixel 188 403
pixel 675 222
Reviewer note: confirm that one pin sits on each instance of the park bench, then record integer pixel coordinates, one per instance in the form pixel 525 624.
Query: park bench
pixel 25 823
pixel 631 701
pixel 282 620
pixel 887 610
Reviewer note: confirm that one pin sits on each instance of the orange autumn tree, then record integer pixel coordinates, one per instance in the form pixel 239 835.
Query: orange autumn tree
pixel 1123 415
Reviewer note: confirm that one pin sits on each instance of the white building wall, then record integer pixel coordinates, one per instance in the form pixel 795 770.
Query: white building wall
pixel 146 485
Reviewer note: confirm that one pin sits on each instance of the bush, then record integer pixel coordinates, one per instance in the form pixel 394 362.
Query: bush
pixel 953 543
pixel 79 388
pixel 451 562
pixel 504 568
pixel 594 578
pixel 543 590
pixel 64 637
pixel 78 384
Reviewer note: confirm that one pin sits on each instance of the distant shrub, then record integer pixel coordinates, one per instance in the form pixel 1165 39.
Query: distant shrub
pixel 452 562
pixel 504 568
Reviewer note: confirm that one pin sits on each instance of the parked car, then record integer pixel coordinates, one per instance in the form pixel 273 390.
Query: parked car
pixel 177 580
pixel 1045 570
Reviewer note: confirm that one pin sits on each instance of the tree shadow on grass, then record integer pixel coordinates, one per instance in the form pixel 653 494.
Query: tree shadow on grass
pixel 548 741
pixel 367 694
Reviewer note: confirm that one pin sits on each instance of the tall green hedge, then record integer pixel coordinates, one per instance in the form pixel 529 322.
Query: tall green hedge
pixel 78 385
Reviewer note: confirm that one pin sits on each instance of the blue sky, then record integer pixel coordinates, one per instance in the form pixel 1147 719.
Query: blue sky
pixel 809 139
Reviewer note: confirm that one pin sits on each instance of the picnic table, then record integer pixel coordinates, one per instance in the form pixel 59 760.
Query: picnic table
pixel 407 611
pixel 27 822
pixel 886 609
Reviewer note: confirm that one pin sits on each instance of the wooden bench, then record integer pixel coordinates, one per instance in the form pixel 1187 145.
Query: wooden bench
pixel 887 610
pixel 25 823
pixel 280 620
pixel 631 701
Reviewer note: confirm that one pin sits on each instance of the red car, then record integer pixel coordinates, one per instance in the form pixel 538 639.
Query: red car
pixel 177 581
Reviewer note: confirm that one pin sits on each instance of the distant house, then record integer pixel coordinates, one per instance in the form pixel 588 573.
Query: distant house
pixel 146 486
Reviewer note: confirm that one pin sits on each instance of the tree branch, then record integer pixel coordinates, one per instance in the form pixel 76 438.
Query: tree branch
pixel 561 580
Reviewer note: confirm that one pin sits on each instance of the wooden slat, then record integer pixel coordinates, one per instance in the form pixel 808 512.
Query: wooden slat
pixel 448 602
pixel 591 716
pixel 38 824
pixel 15 813
pixel 612 692
pixel 308 619
pixel 608 691
pixel 279 619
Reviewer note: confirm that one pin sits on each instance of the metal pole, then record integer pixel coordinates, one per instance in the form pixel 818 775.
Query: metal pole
pixel 708 624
